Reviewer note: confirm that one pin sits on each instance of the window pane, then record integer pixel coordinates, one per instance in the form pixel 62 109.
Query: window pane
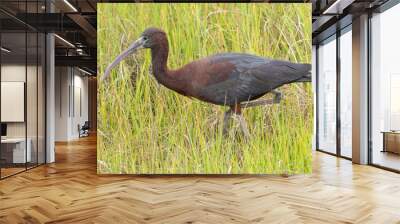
pixel 327 97
pixel 14 153
pixel 346 93
pixel 31 97
pixel 41 98
pixel 385 88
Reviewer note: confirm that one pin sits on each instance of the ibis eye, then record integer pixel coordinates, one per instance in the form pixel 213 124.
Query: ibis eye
pixel 145 38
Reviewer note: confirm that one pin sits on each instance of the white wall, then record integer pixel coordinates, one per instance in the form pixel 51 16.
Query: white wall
pixel 62 81
pixel 70 83
pixel 9 73
pixel 80 84
pixel 13 72
pixel 17 73
pixel 33 126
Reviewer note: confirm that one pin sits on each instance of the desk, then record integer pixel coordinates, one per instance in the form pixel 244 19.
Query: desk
pixel 16 147
pixel 391 141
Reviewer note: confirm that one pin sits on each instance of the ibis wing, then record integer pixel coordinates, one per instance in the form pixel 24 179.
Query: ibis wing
pixel 251 78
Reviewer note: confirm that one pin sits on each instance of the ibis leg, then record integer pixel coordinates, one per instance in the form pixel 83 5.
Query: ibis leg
pixel 227 116
pixel 278 96
pixel 243 126
pixel 237 110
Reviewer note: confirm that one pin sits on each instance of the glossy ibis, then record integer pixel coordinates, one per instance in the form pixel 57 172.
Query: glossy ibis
pixel 227 79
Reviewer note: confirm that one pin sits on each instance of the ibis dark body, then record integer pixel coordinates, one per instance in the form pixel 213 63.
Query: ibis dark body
pixel 230 78
pixel 223 79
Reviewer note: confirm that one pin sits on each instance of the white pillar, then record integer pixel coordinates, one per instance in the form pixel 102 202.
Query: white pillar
pixel 360 90
pixel 314 89
pixel 50 93
pixel 50 98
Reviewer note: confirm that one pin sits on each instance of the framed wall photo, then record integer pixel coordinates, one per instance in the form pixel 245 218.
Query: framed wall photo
pixel 12 101
pixel 204 89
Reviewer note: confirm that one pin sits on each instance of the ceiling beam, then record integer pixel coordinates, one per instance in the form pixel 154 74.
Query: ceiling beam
pixel 49 22
pixel 321 23
pixel 337 7
pixel 84 24
pixel 78 61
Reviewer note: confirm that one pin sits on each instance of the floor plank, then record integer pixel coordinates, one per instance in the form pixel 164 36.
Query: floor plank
pixel 70 191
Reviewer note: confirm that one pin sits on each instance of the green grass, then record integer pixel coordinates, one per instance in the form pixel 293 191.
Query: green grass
pixel 145 128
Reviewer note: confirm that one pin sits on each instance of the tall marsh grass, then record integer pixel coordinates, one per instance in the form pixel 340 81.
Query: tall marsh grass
pixel 144 128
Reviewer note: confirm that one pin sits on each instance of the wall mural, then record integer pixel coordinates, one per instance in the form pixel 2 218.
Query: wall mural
pixel 204 89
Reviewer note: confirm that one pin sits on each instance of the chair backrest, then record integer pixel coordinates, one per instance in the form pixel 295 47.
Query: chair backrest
pixel 86 124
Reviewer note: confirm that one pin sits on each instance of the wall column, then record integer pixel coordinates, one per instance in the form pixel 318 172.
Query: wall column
pixel 50 93
pixel 314 89
pixel 360 90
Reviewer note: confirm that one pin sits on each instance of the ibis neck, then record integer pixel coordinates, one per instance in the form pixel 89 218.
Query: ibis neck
pixel 164 76
pixel 159 55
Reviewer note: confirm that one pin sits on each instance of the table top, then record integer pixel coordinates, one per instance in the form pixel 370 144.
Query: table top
pixel 13 140
pixel 391 132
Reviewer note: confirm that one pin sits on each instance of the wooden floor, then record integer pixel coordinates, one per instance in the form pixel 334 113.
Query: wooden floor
pixel 70 191
pixel 10 171
pixel 387 159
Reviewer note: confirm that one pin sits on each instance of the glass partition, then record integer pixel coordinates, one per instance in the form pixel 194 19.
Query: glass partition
pixel 346 92
pixel 41 109
pixel 22 77
pixel 327 95
pixel 31 97
pixel 13 94
pixel 385 89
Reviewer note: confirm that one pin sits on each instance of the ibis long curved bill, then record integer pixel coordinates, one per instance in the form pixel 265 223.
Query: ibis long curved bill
pixel 138 44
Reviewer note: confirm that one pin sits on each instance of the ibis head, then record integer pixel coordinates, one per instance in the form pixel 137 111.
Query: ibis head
pixel 150 38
